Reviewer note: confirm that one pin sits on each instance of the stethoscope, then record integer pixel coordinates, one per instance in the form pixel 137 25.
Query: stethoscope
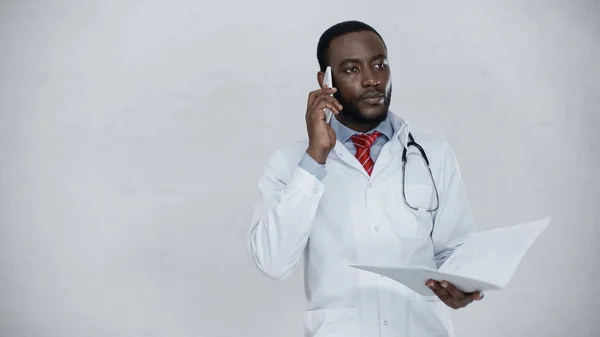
pixel 426 160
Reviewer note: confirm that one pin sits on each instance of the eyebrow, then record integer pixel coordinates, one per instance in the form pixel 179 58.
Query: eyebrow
pixel 355 60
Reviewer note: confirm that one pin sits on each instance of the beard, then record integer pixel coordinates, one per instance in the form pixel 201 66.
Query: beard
pixel 352 112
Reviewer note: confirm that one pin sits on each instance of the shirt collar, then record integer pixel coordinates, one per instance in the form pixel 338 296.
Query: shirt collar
pixel 343 133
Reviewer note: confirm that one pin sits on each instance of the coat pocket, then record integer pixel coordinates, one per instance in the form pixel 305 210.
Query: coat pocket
pixel 428 316
pixel 332 322
pixel 411 223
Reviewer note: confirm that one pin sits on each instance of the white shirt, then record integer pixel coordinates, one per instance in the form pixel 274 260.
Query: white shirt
pixel 350 218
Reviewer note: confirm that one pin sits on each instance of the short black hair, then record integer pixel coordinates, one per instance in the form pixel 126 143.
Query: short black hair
pixel 337 30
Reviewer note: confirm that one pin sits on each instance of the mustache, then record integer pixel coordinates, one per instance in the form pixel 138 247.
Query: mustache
pixel 372 94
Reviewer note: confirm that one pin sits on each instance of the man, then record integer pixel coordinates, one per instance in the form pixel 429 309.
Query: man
pixel 337 199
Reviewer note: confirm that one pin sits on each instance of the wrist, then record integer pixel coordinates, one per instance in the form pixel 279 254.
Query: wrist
pixel 319 155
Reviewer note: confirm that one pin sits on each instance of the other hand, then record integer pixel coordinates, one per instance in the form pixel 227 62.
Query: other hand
pixel 321 137
pixel 451 296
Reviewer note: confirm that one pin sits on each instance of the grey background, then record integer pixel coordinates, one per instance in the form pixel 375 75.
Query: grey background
pixel 133 134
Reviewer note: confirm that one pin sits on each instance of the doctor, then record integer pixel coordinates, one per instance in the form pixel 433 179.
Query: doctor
pixel 338 199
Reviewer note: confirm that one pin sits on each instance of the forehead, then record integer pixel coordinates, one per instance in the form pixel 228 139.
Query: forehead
pixel 358 45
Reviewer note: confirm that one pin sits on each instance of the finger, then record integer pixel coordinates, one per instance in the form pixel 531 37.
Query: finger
pixel 476 296
pixel 437 293
pixel 443 293
pixel 449 301
pixel 320 114
pixel 339 106
pixel 312 96
pixel 454 292
pixel 331 102
pixel 316 115
pixel 328 102
pixel 331 133
pixel 328 99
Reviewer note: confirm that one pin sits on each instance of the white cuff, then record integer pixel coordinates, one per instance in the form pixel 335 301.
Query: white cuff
pixel 306 182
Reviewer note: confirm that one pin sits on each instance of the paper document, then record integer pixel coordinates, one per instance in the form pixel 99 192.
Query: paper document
pixel 485 261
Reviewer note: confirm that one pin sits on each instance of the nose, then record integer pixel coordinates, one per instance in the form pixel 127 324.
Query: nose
pixel 370 78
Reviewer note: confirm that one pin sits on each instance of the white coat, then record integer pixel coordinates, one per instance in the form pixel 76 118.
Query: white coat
pixel 349 218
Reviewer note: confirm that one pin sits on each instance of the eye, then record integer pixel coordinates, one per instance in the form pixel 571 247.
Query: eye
pixel 381 65
pixel 351 70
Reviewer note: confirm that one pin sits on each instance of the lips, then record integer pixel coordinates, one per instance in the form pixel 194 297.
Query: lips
pixel 373 98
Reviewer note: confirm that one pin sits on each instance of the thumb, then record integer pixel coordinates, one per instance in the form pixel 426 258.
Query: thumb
pixel 331 134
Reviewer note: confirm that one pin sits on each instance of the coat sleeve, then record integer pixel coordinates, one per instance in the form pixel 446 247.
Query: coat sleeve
pixel 283 217
pixel 453 221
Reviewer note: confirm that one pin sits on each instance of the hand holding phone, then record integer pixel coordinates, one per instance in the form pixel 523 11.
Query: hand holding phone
pixel 321 103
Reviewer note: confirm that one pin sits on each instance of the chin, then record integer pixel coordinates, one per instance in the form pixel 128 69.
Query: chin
pixel 373 114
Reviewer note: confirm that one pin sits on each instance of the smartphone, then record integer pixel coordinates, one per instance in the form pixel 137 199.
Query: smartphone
pixel 328 83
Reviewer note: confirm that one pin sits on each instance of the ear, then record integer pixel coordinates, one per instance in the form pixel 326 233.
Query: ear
pixel 320 77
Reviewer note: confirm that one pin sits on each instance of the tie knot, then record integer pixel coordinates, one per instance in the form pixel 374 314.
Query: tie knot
pixel 365 140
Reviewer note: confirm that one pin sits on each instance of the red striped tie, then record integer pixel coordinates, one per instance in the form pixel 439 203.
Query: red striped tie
pixel 363 143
